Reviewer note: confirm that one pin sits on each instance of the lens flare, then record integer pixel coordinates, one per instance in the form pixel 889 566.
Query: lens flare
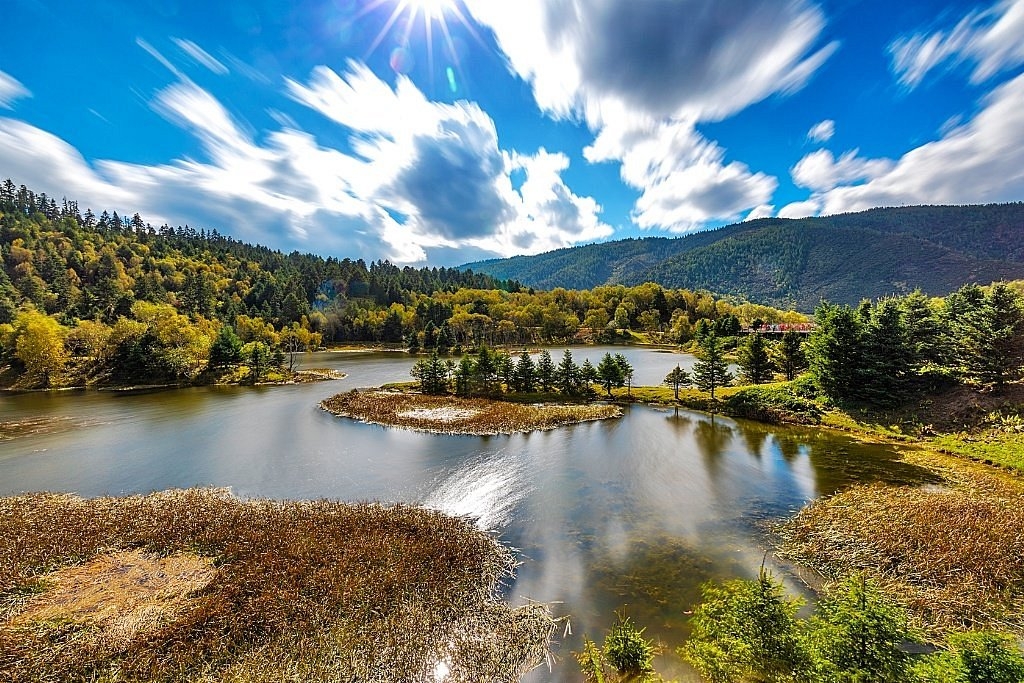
pixel 405 15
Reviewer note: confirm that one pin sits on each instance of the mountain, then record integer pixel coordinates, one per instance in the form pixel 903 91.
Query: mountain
pixel 797 263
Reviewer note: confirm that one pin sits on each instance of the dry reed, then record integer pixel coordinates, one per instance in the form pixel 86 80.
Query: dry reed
pixel 454 415
pixel 953 556
pixel 302 591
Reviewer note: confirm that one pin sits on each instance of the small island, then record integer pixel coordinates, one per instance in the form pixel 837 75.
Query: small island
pixel 489 393
pixel 457 415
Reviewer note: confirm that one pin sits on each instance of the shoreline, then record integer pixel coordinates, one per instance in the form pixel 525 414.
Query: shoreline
pixel 310 376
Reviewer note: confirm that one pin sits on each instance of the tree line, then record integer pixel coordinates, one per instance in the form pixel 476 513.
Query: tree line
pixel 490 372
pixel 883 353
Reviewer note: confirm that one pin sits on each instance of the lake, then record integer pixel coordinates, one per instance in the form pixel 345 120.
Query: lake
pixel 627 515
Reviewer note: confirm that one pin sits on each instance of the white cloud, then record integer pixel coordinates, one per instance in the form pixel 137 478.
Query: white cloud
pixel 761 211
pixel 644 74
pixel 981 161
pixel 201 56
pixel 820 171
pixel 992 39
pixel 423 176
pixel 803 209
pixel 822 131
pixel 550 215
pixel 684 178
pixel 613 59
pixel 10 90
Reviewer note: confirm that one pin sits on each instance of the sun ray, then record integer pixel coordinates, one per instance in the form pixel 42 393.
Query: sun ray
pixel 400 7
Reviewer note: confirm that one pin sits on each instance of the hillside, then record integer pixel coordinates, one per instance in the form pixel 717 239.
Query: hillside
pixel 797 263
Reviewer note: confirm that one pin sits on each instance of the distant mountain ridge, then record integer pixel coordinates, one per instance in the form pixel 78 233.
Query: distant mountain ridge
pixel 799 262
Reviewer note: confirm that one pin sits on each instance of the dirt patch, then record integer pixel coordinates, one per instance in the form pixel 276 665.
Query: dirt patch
pixel 964 408
pixel 124 593
pixel 445 415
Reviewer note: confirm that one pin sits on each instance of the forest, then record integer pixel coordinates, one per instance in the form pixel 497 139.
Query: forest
pixel 112 299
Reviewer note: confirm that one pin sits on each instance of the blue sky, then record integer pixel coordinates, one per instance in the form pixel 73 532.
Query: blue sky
pixel 444 131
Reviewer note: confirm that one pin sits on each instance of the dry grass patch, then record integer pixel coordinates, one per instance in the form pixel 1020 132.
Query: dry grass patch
pixel 254 591
pixel 952 555
pixel 454 415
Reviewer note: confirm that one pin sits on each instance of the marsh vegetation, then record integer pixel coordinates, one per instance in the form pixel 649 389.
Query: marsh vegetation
pixel 231 590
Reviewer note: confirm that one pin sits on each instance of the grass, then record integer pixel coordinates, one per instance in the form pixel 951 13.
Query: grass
pixel 1005 450
pixel 455 415
pixel 295 591
pixel 953 555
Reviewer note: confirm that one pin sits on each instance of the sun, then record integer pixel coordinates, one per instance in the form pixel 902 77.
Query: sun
pixel 433 14
pixel 430 9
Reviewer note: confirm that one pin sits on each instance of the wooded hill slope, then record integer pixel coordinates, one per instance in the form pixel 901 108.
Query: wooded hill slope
pixel 797 263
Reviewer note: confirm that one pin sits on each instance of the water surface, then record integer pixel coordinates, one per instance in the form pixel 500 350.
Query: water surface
pixel 630 514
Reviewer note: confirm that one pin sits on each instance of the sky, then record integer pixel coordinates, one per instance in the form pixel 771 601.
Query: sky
pixel 440 132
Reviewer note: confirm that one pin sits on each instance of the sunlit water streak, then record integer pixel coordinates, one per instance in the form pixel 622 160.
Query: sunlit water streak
pixel 486 490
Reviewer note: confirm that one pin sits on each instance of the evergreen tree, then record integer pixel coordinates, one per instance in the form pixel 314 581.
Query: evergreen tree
pixel 710 371
pixel 609 373
pixel 756 365
pixel 627 373
pixel 567 374
pixel 677 378
pixel 974 657
pixel 506 368
pixel 464 376
pixel 923 330
pixel 545 371
pixel 226 348
pixel 747 631
pixel 835 351
pixel 486 369
pixel 885 373
pixel 989 335
pixel 431 374
pixel 792 359
pixel 588 375
pixel 524 377
pixel 858 635
pixel 258 357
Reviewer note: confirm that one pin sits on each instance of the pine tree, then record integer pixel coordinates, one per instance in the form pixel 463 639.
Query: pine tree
pixel 226 348
pixel 756 365
pixel 792 358
pixel 545 371
pixel 710 371
pixel 524 377
pixel 884 377
pixel 627 373
pixel 609 372
pixel 677 378
pixel 567 374
pixel 835 351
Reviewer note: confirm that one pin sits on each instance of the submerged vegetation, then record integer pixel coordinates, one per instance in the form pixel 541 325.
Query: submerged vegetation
pixel 254 591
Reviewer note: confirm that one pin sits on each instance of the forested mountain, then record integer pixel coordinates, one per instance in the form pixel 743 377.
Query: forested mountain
pixel 797 263
pixel 81 266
